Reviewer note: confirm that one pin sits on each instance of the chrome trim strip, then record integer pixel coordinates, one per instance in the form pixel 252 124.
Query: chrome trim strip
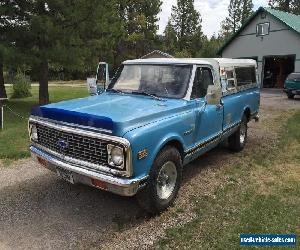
pixel 71 124
pixel 126 187
pixel 212 140
pixel 202 145
pixel 108 138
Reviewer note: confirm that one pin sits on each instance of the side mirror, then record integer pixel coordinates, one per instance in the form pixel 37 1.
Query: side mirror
pixel 102 77
pixel 214 94
pixel 98 84
pixel 92 86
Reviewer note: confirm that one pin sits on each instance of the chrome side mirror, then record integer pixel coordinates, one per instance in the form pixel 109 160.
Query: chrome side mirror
pixel 102 80
pixel 98 84
pixel 92 86
pixel 214 95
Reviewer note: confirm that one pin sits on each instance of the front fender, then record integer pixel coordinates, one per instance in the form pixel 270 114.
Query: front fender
pixel 153 137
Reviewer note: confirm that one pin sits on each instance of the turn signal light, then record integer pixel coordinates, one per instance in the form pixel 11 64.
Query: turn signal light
pixel 99 184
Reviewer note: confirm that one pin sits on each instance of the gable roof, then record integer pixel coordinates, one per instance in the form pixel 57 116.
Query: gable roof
pixel 291 20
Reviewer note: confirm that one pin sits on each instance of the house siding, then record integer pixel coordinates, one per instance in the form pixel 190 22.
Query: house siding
pixel 280 41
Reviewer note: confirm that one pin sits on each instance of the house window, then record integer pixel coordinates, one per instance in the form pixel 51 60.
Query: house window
pixel 262 29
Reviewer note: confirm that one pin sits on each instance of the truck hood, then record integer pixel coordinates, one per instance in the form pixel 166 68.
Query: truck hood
pixel 118 113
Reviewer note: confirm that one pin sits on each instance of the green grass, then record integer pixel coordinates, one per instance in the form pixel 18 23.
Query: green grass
pixel 256 199
pixel 14 137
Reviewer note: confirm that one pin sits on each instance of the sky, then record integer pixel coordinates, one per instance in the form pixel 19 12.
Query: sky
pixel 212 13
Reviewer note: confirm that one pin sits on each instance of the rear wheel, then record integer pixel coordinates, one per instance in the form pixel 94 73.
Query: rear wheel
pixel 237 141
pixel 164 182
pixel 290 96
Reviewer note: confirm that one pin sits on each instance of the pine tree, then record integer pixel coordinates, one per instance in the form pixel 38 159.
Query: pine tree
pixel 292 6
pixel 296 7
pixel 187 25
pixel 283 5
pixel 239 11
pixel 170 40
pixel 247 6
pixel 56 32
pixel 139 19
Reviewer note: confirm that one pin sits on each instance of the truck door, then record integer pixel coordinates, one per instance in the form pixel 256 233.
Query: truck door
pixel 208 118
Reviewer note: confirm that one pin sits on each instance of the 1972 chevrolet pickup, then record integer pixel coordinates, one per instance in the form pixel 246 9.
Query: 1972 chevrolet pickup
pixel 154 117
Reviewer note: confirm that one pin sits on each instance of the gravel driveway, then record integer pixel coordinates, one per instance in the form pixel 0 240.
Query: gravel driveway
pixel 40 211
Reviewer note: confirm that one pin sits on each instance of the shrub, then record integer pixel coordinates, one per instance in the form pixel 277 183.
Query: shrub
pixel 21 86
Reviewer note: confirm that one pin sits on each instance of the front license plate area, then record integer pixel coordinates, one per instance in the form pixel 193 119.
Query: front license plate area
pixel 65 175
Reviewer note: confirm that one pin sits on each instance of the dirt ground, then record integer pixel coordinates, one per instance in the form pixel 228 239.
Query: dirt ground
pixel 40 211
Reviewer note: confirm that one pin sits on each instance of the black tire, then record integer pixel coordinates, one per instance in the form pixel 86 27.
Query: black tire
pixel 290 96
pixel 236 142
pixel 149 197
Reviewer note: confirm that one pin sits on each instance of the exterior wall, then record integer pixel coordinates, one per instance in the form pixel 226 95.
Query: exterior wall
pixel 280 41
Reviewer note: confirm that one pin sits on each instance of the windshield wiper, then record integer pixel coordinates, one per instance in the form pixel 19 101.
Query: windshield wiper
pixel 147 94
pixel 115 91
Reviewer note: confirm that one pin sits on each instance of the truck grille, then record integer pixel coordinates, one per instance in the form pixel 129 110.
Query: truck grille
pixel 91 150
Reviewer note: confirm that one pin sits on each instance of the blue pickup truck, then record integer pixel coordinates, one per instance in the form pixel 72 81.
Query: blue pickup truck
pixel 154 117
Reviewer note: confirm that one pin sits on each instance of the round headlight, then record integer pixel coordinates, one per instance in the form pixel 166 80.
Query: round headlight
pixel 115 156
pixel 34 133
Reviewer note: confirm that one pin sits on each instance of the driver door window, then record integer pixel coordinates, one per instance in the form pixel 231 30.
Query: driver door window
pixel 203 78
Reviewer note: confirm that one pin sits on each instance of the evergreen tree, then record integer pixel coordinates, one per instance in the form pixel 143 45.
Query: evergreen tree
pixel 239 11
pixel 187 25
pixel 247 10
pixel 292 6
pixel 55 32
pixel 139 19
pixel 170 39
pixel 283 5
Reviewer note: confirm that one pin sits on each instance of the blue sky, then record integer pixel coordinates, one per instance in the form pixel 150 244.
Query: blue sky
pixel 212 12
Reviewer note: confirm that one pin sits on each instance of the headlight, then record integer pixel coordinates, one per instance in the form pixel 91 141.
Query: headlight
pixel 33 133
pixel 115 156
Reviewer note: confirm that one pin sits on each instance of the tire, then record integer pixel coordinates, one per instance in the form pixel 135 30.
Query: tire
pixel 163 183
pixel 237 141
pixel 290 96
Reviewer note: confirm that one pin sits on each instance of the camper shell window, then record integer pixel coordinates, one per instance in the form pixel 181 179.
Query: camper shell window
pixel 245 75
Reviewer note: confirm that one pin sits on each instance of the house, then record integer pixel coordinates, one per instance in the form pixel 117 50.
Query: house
pixel 272 38
pixel 157 54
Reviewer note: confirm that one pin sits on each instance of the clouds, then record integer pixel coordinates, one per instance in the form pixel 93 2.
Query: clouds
pixel 212 13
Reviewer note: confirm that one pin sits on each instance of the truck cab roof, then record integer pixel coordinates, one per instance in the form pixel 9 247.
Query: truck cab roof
pixel 214 62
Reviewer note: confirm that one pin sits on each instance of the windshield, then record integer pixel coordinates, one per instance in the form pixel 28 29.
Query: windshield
pixel 160 80
pixel 294 76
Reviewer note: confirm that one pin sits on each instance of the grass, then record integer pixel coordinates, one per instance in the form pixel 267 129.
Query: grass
pixel 260 196
pixel 14 137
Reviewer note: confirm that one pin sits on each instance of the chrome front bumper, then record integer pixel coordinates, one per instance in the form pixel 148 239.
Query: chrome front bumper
pixel 120 186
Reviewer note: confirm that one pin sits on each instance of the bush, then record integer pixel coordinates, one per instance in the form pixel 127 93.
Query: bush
pixel 21 86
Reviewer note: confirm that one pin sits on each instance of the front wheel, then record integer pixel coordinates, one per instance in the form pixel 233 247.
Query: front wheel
pixel 237 141
pixel 164 182
pixel 290 96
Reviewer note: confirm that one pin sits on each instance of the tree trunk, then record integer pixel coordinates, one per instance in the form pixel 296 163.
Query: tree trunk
pixel 43 80
pixel 2 86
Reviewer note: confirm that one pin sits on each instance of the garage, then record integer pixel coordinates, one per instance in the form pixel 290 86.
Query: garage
pixel 276 69
pixel 272 38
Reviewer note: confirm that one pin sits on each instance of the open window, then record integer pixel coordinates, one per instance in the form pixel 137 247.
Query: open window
pixel 262 29
pixel 230 79
pixel 203 78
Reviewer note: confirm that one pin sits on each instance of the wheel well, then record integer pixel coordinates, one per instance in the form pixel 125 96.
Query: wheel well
pixel 247 113
pixel 177 145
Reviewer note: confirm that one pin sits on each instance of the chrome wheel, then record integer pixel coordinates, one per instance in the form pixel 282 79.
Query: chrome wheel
pixel 243 133
pixel 166 180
